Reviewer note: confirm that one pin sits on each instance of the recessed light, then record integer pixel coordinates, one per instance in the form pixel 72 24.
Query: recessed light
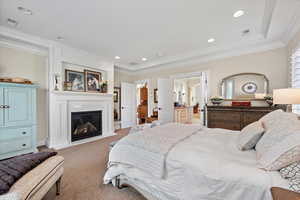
pixel 12 22
pixel 60 38
pixel 238 13
pixel 117 57
pixel 25 10
pixel 144 59
pixel 211 40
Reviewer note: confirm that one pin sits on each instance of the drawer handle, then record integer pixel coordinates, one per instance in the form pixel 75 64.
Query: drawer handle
pixel 24 145
pixel 24 133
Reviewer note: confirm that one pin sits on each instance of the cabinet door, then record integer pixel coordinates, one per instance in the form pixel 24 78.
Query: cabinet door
pixel 20 110
pixel 1 109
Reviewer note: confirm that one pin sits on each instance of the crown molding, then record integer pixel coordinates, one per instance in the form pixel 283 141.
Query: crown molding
pixel 293 27
pixel 8 43
pixel 255 48
pixel 268 14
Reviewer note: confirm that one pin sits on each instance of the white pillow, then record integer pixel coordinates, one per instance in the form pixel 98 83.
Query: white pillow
pixel 250 135
pixel 269 119
pixel 280 144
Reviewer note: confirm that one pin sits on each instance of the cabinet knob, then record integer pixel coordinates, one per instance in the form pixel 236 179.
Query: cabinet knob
pixel 24 145
pixel 1 106
pixel 23 132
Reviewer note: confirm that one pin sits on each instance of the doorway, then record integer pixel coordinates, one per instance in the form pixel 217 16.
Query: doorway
pixel 142 102
pixel 190 97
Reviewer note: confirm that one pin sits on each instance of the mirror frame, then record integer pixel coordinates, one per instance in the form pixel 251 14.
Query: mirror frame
pixel 247 73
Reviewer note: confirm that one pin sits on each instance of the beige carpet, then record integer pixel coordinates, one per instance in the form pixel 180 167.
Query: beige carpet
pixel 85 166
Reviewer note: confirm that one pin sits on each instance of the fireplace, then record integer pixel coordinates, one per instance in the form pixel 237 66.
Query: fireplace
pixel 85 125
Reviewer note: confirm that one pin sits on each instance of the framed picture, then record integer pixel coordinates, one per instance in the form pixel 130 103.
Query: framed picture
pixel 155 96
pixel 116 96
pixel 92 81
pixel 76 79
pixel 117 103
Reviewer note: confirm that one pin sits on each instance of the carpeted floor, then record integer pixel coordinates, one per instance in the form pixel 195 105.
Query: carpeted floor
pixel 85 166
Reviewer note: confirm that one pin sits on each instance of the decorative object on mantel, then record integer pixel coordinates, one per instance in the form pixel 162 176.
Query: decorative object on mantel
pixel 241 103
pixel 56 77
pixel 16 80
pixel 216 100
pixel 287 96
pixel 92 81
pixel 269 100
pixel 103 87
pixel 76 78
pixel 67 86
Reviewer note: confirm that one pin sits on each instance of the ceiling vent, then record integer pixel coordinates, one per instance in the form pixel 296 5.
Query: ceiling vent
pixel 133 63
pixel 245 32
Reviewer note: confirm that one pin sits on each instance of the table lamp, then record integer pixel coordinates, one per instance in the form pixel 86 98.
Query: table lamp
pixel 287 96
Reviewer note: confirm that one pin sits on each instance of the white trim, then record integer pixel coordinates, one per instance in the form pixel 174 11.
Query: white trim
pixel 268 14
pixel 213 57
pixel 187 75
pixel 42 142
pixel 14 45
pixel 293 27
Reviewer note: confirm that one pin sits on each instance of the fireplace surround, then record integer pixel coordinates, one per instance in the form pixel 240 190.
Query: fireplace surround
pixel 68 103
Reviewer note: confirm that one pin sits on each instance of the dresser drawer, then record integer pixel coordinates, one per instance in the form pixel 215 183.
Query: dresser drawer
pixel 224 116
pixel 15 133
pixel 15 145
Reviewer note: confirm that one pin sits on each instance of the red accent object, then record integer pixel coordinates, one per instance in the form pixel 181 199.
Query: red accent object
pixel 241 103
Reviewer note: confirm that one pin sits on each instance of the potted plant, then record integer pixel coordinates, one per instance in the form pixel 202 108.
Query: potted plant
pixel 216 100
pixel 269 100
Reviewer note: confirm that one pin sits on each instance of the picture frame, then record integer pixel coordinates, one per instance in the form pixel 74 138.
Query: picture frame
pixel 117 103
pixel 155 95
pixel 77 79
pixel 92 80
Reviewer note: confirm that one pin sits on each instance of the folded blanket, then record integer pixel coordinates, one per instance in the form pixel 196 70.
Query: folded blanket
pixel 156 142
pixel 11 170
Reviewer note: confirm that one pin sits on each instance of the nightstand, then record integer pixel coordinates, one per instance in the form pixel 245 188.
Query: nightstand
pixel 284 194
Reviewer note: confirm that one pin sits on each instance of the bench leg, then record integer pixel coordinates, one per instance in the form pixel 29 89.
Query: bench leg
pixel 58 183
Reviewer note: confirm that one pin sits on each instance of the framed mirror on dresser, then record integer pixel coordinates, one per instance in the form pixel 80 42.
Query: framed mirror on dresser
pixel 243 101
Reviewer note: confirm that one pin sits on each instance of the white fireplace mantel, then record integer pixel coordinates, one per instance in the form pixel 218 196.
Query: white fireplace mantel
pixel 67 102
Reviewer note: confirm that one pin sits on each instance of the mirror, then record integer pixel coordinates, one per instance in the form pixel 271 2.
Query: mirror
pixel 244 86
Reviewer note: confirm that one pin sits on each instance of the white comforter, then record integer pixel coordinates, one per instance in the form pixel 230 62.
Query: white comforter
pixel 204 166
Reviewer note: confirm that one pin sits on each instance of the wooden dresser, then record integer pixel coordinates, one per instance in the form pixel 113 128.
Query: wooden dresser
pixel 234 118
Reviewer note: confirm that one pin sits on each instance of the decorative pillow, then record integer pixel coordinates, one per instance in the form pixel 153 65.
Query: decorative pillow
pixel 250 135
pixel 294 184
pixel 269 119
pixel 280 145
pixel 291 170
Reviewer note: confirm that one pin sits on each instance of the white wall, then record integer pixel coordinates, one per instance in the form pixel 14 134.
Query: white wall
pixel 272 63
pixel 24 64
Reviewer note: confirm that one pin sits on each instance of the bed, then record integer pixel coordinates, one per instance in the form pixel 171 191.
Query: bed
pixel 200 164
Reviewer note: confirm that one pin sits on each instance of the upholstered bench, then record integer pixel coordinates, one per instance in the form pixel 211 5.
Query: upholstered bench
pixel 36 183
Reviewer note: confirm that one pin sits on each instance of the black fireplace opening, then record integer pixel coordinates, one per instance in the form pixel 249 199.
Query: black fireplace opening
pixel 86 124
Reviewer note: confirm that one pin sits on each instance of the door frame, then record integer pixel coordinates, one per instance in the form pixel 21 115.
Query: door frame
pixel 149 88
pixel 200 75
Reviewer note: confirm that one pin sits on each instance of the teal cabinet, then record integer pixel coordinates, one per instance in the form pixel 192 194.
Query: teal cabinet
pixel 17 120
pixel 19 112
pixel 1 108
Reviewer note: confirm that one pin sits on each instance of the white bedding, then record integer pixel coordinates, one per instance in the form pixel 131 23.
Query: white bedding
pixel 204 166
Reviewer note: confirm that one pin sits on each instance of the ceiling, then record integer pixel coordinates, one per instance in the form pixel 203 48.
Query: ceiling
pixel 164 32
